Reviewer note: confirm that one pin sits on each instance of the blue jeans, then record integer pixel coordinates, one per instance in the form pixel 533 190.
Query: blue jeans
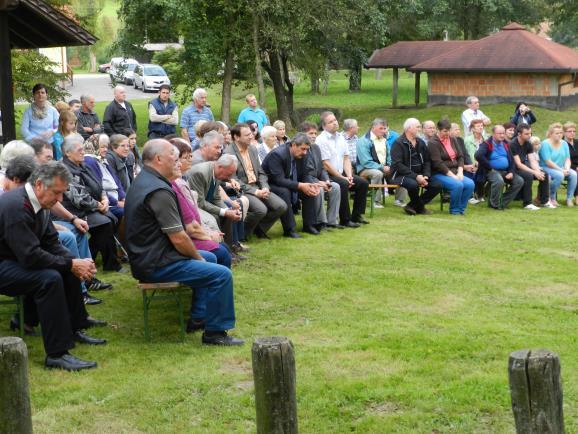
pixel 81 240
pixel 557 177
pixel 213 284
pixel 222 254
pixel 460 191
pixel 69 240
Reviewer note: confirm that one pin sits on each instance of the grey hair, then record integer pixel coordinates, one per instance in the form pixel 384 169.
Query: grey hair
pixel 152 148
pixel 470 99
pixel 378 121
pixel 199 92
pixel 116 140
pixel 118 87
pixel 46 173
pixel 279 124
pixel 210 137
pixel 410 122
pixel 349 123
pixel 301 139
pixel 267 131
pixel 227 160
pixel 13 149
pixel 84 98
pixel 70 142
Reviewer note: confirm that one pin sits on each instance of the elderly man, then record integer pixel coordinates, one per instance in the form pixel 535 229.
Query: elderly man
pixel 335 156
pixel 429 131
pixel 473 112
pixel 411 168
pixel 350 130
pixel 163 114
pixel 253 113
pixel 88 122
pixel 265 207
pixel 197 111
pixel 34 263
pixel 161 251
pixel 496 165
pixel 210 149
pixel 289 178
pixel 119 116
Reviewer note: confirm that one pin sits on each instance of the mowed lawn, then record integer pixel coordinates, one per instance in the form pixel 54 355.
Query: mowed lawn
pixel 404 325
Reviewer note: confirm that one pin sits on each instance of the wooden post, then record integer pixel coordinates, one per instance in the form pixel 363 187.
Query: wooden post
pixel 395 83
pixel 417 87
pixel 6 84
pixel 536 392
pixel 15 416
pixel 274 374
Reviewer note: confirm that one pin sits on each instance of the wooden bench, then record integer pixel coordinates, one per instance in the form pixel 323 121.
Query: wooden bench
pixel 19 302
pixel 162 291
pixel 372 192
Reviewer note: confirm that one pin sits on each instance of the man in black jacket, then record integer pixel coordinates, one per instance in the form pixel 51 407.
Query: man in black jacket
pixel 286 168
pixel 119 116
pixel 411 168
pixel 34 263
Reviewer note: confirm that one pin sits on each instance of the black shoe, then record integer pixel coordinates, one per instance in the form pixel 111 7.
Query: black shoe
pixel 292 234
pixel 351 224
pixel 322 227
pixel 83 338
pixel 310 230
pixel 336 226
pixel 122 270
pixel 194 325
pixel 28 330
pixel 97 285
pixel 68 362
pixel 409 210
pixel 425 211
pixel 90 300
pixel 361 221
pixel 91 322
pixel 261 235
pixel 221 338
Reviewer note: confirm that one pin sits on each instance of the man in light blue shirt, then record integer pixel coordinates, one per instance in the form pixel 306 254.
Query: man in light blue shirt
pixel 197 111
pixel 253 113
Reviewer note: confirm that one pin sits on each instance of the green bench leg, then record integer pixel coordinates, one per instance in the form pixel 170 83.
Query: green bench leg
pixel 146 303
pixel 20 300
pixel 372 198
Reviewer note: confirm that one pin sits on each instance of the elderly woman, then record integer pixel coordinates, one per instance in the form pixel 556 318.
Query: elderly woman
pixel 269 136
pixel 555 161
pixel 117 158
pixel 11 150
pixel 570 138
pixel 281 132
pixel 86 199
pixel 447 162
pixel 41 118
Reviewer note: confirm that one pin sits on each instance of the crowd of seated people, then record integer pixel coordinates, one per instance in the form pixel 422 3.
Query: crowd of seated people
pixel 183 208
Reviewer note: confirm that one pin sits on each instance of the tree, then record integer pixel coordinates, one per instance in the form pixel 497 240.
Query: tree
pixel 30 67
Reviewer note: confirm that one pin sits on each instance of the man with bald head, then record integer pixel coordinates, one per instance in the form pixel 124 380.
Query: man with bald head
pixel 119 116
pixel 497 166
pixel 161 251
pixel 429 130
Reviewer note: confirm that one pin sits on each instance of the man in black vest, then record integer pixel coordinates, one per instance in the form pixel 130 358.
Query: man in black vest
pixel 163 114
pixel 161 251
pixel 34 263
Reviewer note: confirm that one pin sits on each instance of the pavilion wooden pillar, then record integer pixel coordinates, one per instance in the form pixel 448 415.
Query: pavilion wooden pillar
pixel 6 91
pixel 395 87
pixel 417 87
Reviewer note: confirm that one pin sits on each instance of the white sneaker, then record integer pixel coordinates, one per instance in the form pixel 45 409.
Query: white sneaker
pixel 531 207
pixel 549 205
pixel 473 201
pixel 377 205
pixel 399 203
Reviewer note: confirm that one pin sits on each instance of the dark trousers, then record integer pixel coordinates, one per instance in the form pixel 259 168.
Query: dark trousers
pixel 102 240
pixel 360 187
pixel 543 188
pixel 417 201
pixel 58 302
pixel 288 219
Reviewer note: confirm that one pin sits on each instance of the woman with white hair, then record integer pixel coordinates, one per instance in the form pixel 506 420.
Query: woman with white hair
pixel 269 136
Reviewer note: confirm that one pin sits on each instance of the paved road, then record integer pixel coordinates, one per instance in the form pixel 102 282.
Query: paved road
pixel 99 85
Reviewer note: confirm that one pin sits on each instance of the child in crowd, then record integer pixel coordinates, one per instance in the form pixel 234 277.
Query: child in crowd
pixel 66 127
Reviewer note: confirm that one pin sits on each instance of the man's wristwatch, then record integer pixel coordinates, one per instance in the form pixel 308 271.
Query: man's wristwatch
pixel 73 218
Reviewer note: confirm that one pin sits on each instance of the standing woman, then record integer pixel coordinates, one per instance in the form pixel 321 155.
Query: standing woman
pixel 41 118
pixel 555 160
pixel 523 115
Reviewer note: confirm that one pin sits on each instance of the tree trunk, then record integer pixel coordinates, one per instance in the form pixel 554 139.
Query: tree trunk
pixel 314 83
pixel 355 78
pixel 258 69
pixel 283 97
pixel 227 84
pixel 325 79
pixel 92 67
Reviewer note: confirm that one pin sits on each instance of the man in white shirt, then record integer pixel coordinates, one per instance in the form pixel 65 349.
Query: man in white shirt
pixel 335 156
pixel 473 112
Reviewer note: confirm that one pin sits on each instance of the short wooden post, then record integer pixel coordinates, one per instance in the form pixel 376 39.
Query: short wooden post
pixel 395 86
pixel 15 416
pixel 417 87
pixel 536 392
pixel 274 374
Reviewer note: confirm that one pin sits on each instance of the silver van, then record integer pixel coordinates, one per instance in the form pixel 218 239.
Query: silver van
pixel 149 77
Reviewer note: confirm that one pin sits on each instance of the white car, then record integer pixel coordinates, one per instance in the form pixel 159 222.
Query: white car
pixel 149 77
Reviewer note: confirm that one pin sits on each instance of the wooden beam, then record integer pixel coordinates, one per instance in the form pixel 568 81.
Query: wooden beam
pixel 417 88
pixel 395 86
pixel 6 85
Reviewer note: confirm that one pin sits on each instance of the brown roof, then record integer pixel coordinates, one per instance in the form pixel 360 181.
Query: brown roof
pixel 408 53
pixel 513 49
pixel 36 24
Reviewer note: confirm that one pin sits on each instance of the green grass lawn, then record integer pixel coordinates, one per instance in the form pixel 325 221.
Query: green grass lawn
pixel 401 326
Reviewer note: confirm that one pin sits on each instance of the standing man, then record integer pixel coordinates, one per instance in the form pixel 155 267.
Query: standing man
pixel 350 130
pixel 335 156
pixel 119 116
pixel 161 251
pixel 286 167
pixel 163 114
pixel 88 122
pixel 473 112
pixel 411 168
pixel 265 207
pixel 253 113
pixel 197 111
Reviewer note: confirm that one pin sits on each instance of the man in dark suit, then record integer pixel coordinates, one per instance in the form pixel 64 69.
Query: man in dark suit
pixel 265 207
pixel 289 178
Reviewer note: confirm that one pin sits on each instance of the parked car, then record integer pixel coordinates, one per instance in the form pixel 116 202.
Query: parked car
pixel 149 77
pixel 122 70
pixel 103 69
